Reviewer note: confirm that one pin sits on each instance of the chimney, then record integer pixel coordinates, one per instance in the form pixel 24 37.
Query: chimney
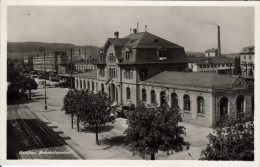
pixel 219 47
pixel 137 27
pixel 116 34
pixel 145 28
pixel 134 30
pixel 130 31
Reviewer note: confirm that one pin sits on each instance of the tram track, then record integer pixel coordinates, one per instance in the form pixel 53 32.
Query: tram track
pixel 40 138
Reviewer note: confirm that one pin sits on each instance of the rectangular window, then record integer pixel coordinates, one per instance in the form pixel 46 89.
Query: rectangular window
pixel 111 57
pixel 143 73
pixel 250 58
pixel 128 73
pixel 127 55
pixel 102 72
pixel 112 73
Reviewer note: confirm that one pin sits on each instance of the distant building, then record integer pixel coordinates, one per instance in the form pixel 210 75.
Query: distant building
pixel 220 65
pixel 84 65
pixel 55 62
pixel 145 67
pixel 247 61
pixel 211 52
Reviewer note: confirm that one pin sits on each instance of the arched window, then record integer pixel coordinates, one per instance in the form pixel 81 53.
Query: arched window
pixel 84 84
pixel 186 102
pixel 223 106
pixel 200 104
pixel 163 98
pixel 77 83
pixel 128 93
pixel 240 104
pixel 102 88
pixel 174 99
pixel 93 86
pixel 153 97
pixel 144 95
pixel 80 82
pixel 88 85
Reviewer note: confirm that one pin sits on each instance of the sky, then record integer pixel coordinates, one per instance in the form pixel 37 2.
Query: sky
pixel 194 28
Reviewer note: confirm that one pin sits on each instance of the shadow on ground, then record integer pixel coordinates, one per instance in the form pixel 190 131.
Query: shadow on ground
pixel 101 129
pixel 116 141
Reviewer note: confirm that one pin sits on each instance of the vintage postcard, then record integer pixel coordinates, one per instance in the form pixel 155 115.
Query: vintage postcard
pixel 129 83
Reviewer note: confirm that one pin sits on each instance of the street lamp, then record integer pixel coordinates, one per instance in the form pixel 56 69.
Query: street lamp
pixel 71 68
pixel 43 50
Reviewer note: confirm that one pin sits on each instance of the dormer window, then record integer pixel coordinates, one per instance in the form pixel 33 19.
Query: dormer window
pixel 127 55
pixel 162 53
pixel 155 40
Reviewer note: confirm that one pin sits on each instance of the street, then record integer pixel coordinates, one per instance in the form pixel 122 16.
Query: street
pixel 82 144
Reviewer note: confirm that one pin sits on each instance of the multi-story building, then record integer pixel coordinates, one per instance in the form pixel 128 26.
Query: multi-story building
pixel 145 67
pixel 220 65
pixel 247 60
pixel 55 62
pixel 84 65
pixel 211 52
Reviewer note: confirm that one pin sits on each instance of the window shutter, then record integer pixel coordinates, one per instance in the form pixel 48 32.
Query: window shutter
pixel 115 73
pixel 124 73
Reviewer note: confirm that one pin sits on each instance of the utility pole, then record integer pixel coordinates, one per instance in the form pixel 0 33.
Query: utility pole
pixel 45 97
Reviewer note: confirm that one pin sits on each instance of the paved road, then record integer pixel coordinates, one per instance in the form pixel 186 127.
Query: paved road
pixel 30 138
pixel 112 133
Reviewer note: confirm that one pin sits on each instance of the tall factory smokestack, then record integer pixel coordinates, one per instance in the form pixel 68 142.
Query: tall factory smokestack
pixel 219 46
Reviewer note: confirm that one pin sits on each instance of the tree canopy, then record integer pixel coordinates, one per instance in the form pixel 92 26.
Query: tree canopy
pixel 94 109
pixel 153 129
pixel 231 141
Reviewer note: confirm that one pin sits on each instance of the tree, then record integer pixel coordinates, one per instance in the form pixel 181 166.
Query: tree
pixel 70 103
pixel 237 67
pixel 97 111
pixel 231 141
pixel 153 129
pixel 27 83
pixel 12 73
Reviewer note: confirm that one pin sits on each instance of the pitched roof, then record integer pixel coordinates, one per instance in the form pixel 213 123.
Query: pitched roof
pixel 90 74
pixel 211 50
pixel 118 42
pixel 199 79
pixel 148 40
pixel 249 49
pixel 212 60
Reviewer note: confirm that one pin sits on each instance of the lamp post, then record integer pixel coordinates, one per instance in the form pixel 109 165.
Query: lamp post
pixel 43 50
pixel 71 68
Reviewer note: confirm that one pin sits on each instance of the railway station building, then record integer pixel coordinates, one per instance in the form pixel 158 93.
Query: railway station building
pixel 143 66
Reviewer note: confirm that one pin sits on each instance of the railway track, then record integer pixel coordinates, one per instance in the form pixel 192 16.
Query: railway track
pixel 40 138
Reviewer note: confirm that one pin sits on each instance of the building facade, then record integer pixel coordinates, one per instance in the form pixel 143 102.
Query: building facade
pixel 55 62
pixel 247 61
pixel 84 65
pixel 145 67
pixel 220 65
pixel 211 52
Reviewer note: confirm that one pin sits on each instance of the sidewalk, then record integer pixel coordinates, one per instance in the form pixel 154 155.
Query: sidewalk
pixel 111 136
